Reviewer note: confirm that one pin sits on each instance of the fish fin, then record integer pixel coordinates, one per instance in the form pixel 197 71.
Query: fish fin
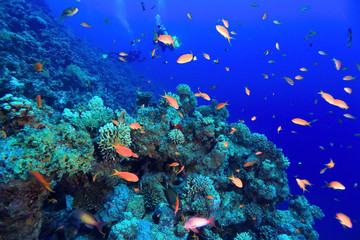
pixel 100 225
pixel 211 220
pixel 89 226
pixel 194 230
pixel 44 71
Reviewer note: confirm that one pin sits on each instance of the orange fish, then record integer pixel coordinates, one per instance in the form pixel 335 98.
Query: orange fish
pixel 226 144
pixel 135 126
pixel 221 105
pixel 247 91
pixel 266 76
pixel 337 64
pixel 258 153
pixel 39 67
pixel 344 220
pixel 130 177
pixel 89 220
pixel 185 58
pixel 177 153
pixel 172 101
pixel 40 178
pixel 248 164
pixel 189 16
pixel 225 22
pixel 94 178
pixel 241 206
pixel 336 185
pixel 331 164
pixel 122 150
pixel 300 121
pixel 328 98
pixel 279 129
pixel 253 118
pixel 206 56
pixel 181 169
pixel 224 32
pixel 299 77
pixel 348 90
pixel 227 69
pixel 181 115
pixel 347 115
pixel 123 54
pixel 115 122
pixel 341 104
pixel 209 197
pixel 233 130
pixel 303 69
pixel 289 81
pixel 348 78
pixel 167 40
pixel 236 181
pixel 61 227
pixel 153 53
pixel 122 59
pixel 84 24
pixel 38 101
pixel 177 204
pixel 301 184
pixel 174 164
pixel 136 189
pixel 277 46
pixel 264 16
pixel 53 200
pixel 322 170
pixel 203 95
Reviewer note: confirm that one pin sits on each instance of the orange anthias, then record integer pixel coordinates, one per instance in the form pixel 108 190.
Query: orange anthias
pixel 203 95
pixel 172 101
pixel 38 101
pixel 236 181
pixel 130 177
pixel 40 178
pixel 300 121
pixel 39 67
pixel 248 164
pixel 224 32
pixel 185 58
pixel 344 220
pixel 336 185
pixel 167 40
pixel 122 150
pixel 177 204
pixel 135 126
pixel 89 220
pixel 221 105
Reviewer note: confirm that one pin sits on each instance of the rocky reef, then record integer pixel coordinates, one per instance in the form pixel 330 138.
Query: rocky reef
pixel 189 161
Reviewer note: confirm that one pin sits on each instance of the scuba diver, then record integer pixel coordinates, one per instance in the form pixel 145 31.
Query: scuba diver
pixel 161 30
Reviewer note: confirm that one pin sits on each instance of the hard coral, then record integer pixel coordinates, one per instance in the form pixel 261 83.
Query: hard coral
pixel 176 136
pixel 110 134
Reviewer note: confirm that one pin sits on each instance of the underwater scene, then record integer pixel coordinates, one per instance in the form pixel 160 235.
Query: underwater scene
pixel 179 120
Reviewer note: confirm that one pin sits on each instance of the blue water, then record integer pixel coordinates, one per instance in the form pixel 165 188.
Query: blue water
pixel 247 62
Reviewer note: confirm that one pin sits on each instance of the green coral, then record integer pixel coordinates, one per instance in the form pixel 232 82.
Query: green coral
pixel 176 136
pixel 111 134
pixel 60 150
pixel 243 236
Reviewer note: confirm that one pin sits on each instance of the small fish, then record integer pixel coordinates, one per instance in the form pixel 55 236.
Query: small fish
pixel 206 56
pixel 304 8
pixel 39 67
pixel 94 178
pixel 303 69
pixel 233 130
pixel 271 61
pixel 289 81
pixel 241 206
pixel 276 22
pixel 335 185
pixel 123 54
pixel 135 126
pixel 212 87
pixel 122 59
pixel 185 58
pixel 233 32
pixel 264 16
pixel 115 122
pixel 174 164
pixel 299 77
pixel 258 153
pixel 143 6
pixel 349 37
pixel 38 101
pixel 209 197
pixel 68 12
pixel 172 101
pixel 84 24
pixel 265 76
pixel 253 118
pixel 216 61
pixel 177 204
pixel 106 20
pixel 40 178
pixel 3 134
pixel 300 121
pixel 254 4
pixel 203 95
pixel 347 115
pixel 344 220
pixel 337 63
pixel 221 105
pixel 279 129
pixel 236 181
pixel 181 169
pixel 52 200
pixel 166 39
pixel 247 91
pixel 61 227
pixel 130 177
pixel 248 164
pixel 322 148
pixel 89 220
pixel 322 53
pixel 266 52
pixel 227 69
pixel 225 22
pixel 177 153
pixel 224 32
pixel 195 222
pixel 189 16
pixel 122 150
pixel 277 46
pixel 348 78
pixel 226 144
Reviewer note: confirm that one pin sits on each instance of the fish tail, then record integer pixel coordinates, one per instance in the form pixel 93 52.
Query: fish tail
pixel 211 220
pixel 44 71
pixel 100 225
pixel 48 186
pixel 115 171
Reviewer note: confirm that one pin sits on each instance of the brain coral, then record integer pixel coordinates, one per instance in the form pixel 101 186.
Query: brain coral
pixel 109 135
pixel 176 136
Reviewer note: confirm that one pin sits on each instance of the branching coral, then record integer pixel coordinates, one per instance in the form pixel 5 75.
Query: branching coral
pixel 176 136
pixel 110 134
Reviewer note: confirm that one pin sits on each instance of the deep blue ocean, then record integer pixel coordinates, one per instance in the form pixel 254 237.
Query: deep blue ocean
pixel 273 101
